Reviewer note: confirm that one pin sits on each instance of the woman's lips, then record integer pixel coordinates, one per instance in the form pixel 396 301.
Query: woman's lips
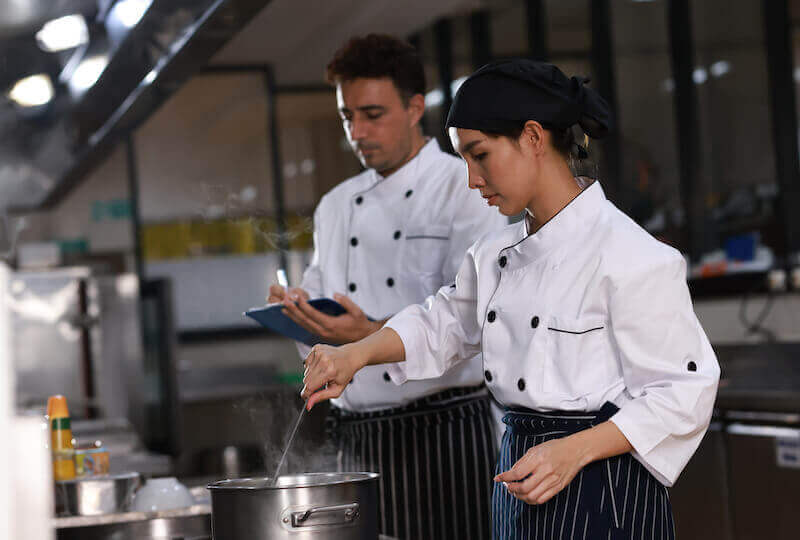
pixel 492 199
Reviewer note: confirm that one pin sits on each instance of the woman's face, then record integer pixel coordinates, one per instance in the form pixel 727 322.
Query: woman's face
pixel 503 170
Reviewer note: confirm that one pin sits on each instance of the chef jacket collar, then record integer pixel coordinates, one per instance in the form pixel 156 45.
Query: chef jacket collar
pixel 407 175
pixel 570 223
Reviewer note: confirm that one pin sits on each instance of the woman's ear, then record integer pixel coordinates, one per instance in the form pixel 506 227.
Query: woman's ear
pixel 533 135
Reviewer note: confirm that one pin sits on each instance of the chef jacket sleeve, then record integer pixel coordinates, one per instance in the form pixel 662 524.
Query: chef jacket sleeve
pixel 312 277
pixel 473 219
pixel 670 370
pixel 442 331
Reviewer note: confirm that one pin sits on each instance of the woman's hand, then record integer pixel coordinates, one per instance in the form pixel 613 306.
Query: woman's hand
pixel 544 470
pixel 329 370
pixel 547 468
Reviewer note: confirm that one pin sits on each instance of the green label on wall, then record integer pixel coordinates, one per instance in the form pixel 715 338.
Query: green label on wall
pixel 112 210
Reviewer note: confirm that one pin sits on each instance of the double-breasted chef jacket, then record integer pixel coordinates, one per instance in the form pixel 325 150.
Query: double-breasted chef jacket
pixel 391 242
pixel 588 309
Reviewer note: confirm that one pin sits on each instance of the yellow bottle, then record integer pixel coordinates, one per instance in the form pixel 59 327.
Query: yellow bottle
pixel 61 439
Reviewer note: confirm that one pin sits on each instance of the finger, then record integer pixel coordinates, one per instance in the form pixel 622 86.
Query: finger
pixel 541 484
pixel 307 363
pixel 314 315
pixel 350 306
pixel 526 485
pixel 321 373
pixel 545 496
pixel 333 390
pixel 291 310
pixel 300 293
pixel 520 470
pixel 277 290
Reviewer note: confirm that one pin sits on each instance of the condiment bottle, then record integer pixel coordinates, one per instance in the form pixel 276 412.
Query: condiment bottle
pixel 61 439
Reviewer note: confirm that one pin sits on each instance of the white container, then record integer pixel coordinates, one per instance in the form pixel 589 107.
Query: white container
pixel 162 494
pixel 38 255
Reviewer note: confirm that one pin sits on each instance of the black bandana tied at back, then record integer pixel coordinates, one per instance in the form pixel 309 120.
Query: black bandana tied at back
pixel 503 95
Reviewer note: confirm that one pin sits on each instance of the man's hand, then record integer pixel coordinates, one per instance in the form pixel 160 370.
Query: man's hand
pixel 279 294
pixel 346 328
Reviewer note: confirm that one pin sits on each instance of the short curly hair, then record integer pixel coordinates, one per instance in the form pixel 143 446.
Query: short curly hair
pixel 376 56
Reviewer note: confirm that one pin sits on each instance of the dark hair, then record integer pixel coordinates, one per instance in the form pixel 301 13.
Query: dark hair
pixel 376 56
pixel 563 139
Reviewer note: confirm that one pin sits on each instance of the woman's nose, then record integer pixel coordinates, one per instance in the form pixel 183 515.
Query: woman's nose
pixel 475 180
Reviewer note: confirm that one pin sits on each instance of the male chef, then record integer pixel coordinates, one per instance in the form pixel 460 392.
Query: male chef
pixel 386 238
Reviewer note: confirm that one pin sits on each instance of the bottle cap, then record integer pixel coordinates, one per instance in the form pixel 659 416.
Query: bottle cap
pixel 57 407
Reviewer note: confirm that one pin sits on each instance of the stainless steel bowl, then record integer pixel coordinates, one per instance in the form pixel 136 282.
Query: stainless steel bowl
pixel 96 495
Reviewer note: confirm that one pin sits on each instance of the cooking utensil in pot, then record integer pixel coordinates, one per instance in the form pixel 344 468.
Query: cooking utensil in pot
pixel 318 506
pixel 289 444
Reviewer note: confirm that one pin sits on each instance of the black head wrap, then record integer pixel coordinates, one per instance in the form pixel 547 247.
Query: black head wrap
pixel 503 95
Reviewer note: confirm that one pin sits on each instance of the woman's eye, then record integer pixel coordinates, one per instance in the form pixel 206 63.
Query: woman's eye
pixel 374 116
pixel 481 156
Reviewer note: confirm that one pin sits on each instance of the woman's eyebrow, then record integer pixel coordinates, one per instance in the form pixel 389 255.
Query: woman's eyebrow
pixel 467 147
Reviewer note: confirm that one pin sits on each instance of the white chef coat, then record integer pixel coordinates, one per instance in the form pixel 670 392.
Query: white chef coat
pixel 588 309
pixel 390 242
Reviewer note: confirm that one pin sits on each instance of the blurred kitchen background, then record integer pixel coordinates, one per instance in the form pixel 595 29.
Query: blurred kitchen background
pixel 160 160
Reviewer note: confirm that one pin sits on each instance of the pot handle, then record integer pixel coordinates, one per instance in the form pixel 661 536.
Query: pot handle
pixel 325 515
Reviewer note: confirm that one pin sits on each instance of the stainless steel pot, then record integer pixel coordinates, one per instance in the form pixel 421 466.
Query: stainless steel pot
pixel 319 506
pixel 96 495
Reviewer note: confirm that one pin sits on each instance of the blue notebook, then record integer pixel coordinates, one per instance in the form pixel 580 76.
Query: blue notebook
pixel 270 316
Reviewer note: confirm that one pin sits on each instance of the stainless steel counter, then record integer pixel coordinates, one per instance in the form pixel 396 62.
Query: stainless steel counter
pixel 192 523
pixel 759 377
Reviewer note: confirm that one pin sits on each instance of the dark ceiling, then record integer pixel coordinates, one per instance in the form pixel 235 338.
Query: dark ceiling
pixel 45 150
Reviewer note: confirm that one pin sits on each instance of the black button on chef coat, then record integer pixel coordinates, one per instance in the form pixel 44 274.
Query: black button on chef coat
pixel 488 375
pixel 492 316
pixel 521 385
pixel 390 282
pixel 408 193
pixel 534 322
pixel 354 241
pixel 396 235
pixel 359 199
pixel 386 376
pixel 352 287
pixel 503 261
pixel 692 366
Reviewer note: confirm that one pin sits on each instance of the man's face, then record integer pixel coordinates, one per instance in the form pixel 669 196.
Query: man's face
pixel 378 125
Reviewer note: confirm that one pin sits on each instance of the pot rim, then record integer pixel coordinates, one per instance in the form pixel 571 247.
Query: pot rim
pixel 231 484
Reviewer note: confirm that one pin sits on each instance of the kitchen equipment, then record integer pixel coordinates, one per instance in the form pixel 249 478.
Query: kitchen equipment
pixel 300 417
pixel 92 496
pixel 319 506
pixel 161 494
pixel 232 461
pixel 193 523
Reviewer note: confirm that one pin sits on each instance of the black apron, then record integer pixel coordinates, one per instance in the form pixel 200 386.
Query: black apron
pixel 435 457
pixel 610 499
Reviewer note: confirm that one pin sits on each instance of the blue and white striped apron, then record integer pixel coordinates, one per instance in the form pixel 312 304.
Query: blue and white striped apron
pixel 610 499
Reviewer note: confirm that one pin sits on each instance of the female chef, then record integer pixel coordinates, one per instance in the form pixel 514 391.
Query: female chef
pixel 584 320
